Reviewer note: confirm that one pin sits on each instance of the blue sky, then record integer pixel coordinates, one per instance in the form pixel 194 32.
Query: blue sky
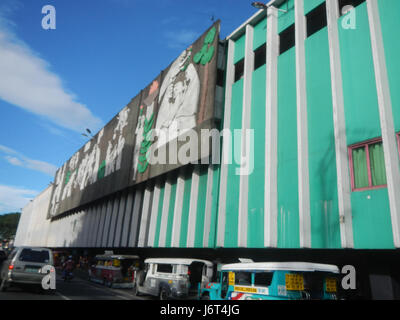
pixel 56 83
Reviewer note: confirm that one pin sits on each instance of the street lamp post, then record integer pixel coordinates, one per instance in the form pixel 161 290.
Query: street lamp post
pixel 264 6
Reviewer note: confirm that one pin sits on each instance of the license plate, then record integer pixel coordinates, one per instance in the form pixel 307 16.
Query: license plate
pixel 331 285
pixel 294 282
pixel 33 270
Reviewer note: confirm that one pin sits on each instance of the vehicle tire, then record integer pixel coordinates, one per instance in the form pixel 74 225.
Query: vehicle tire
pixel 3 285
pixel 135 289
pixel 205 296
pixel 163 294
pixel 140 277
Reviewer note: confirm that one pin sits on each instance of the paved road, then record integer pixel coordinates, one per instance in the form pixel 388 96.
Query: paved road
pixel 76 289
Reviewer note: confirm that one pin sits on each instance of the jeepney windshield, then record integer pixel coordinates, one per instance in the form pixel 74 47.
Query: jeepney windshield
pixel 251 278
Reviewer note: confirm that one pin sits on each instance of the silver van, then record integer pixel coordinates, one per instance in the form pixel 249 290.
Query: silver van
pixel 173 278
pixel 24 266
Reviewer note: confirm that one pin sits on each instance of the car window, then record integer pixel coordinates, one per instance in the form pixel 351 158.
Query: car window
pixel 263 279
pixel 31 255
pixel 164 268
pixel 243 278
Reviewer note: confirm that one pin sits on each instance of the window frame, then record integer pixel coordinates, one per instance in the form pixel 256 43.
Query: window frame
pixel 366 145
pixel 398 142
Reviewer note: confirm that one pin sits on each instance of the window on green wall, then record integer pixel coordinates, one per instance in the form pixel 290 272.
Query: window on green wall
pixel 287 39
pixel 367 165
pixel 260 56
pixel 316 19
pixel 239 70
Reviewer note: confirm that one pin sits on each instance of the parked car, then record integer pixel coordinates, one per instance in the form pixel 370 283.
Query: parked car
pixel 274 281
pixel 117 271
pixel 24 266
pixel 171 278
pixel 3 256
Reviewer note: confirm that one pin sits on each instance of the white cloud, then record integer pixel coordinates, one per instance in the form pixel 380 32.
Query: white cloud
pixel 17 159
pixel 14 198
pixel 27 82
pixel 14 161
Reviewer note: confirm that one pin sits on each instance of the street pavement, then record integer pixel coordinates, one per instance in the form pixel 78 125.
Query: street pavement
pixel 75 289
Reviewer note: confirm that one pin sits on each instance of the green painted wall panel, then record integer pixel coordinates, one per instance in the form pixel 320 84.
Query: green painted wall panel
pixel 159 216
pixel 324 211
pixel 371 212
pixel 233 180
pixel 201 207
pixel 288 201
pixel 260 34
pixel 171 208
pixel 214 207
pixel 359 88
pixel 239 48
pixel 389 13
pixel 371 222
pixel 286 19
pixel 185 212
pixel 255 230
pixel 311 4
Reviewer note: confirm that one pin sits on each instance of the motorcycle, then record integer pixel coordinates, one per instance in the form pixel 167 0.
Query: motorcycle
pixel 67 275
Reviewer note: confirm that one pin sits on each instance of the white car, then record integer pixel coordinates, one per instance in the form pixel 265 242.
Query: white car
pixel 172 278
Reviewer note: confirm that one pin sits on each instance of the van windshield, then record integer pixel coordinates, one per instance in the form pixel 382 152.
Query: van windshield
pixel 30 255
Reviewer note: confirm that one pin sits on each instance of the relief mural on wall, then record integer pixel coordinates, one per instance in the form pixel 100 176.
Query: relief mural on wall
pixel 118 155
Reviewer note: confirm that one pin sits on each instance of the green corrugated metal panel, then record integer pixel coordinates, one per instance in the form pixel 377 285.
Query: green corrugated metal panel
pixel 255 231
pixel 233 181
pixel 324 211
pixel 370 209
pixel 201 206
pixel 171 213
pixel 185 212
pixel 288 202
pixel 212 240
pixel 159 214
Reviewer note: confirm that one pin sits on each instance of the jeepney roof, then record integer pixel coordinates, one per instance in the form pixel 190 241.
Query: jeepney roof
pixel 289 266
pixel 115 256
pixel 184 261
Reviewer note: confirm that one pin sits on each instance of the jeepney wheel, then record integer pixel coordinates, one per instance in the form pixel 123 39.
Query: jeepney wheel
pixel 136 292
pixel 3 285
pixel 163 294
pixel 205 296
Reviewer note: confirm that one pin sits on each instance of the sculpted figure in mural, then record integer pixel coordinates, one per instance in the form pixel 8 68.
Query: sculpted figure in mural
pixel 89 164
pixel 116 145
pixel 178 99
pixel 143 129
